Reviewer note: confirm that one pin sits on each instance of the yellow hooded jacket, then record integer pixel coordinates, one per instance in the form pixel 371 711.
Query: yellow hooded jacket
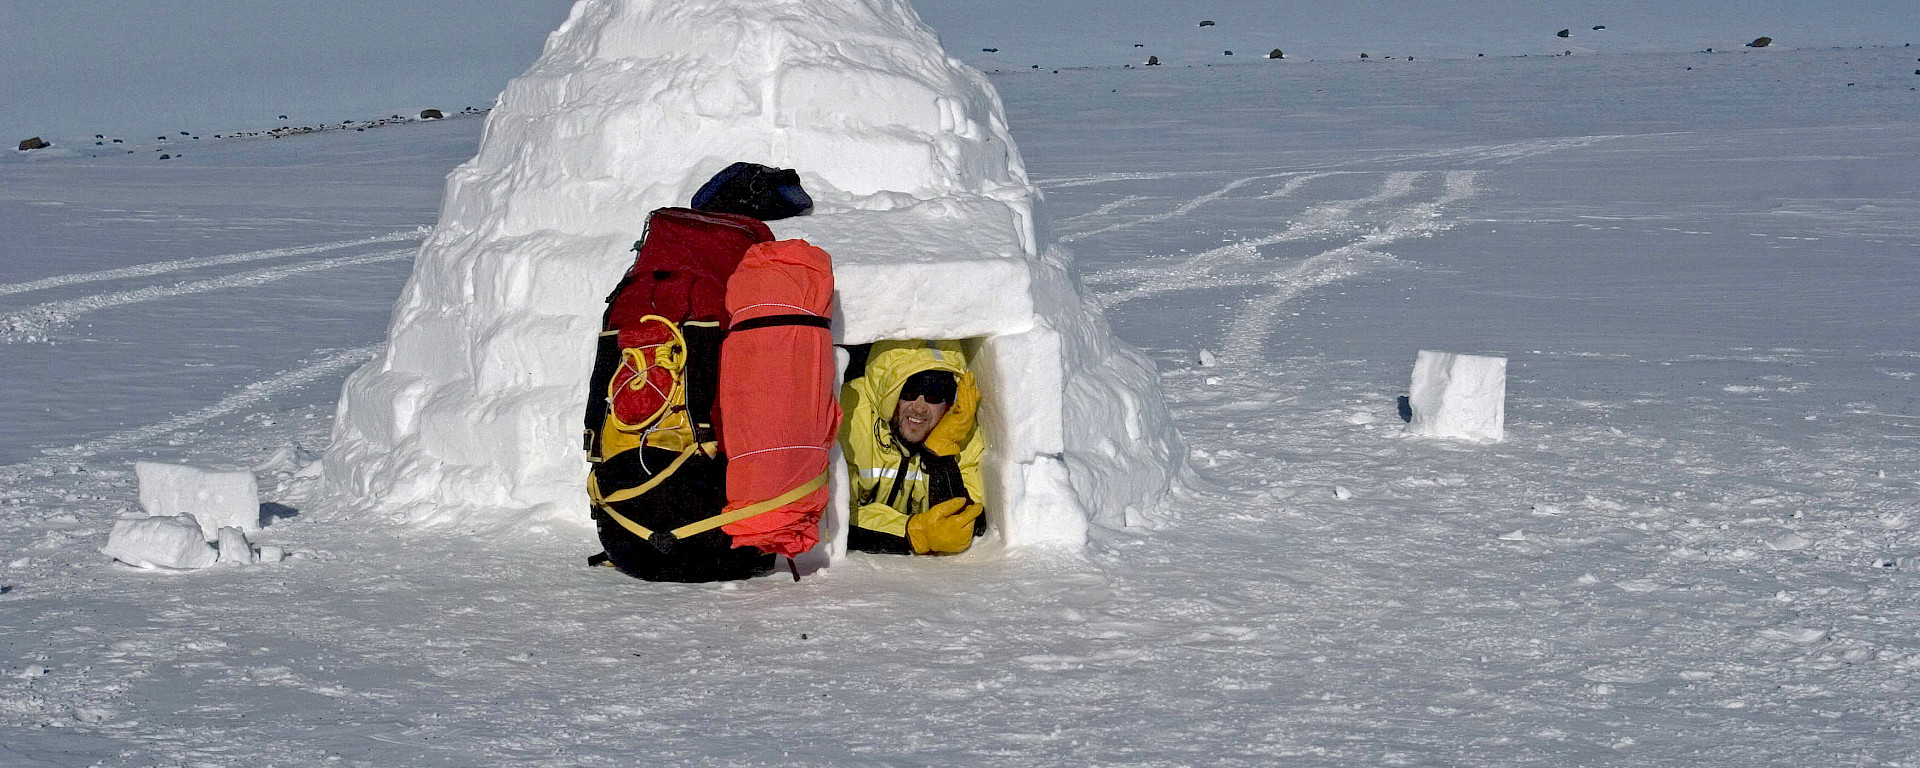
pixel 888 484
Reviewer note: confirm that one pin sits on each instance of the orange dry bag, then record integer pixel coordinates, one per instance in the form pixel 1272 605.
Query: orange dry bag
pixel 778 391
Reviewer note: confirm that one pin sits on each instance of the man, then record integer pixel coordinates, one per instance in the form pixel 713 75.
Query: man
pixel 913 450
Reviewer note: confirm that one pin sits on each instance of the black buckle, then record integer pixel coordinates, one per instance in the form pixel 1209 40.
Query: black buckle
pixel 663 541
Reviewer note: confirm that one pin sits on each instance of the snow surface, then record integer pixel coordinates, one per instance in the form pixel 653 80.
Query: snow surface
pixel 1696 545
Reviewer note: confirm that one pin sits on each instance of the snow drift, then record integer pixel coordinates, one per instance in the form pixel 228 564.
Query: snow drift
pixel 471 414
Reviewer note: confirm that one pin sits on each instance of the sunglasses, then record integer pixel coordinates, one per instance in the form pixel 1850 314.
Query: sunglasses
pixel 936 386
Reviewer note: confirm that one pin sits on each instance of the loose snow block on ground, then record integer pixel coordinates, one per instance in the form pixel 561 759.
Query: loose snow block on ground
pixel 214 497
pixel 160 542
pixel 1458 396
pixel 234 547
pixel 472 416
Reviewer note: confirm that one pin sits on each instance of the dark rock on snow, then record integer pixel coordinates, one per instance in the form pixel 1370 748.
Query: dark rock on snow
pixel 1760 42
pixel 1275 54
pixel 430 114
pixel 1206 23
pixel 1564 33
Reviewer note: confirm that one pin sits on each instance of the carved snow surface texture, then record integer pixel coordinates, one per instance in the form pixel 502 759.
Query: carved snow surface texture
pixel 215 498
pixel 472 415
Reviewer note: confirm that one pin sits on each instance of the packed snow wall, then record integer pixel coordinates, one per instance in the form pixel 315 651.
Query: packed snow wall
pixel 472 415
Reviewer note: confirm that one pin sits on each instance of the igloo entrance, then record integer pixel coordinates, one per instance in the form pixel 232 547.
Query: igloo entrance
pixel 469 418
pixel 1003 423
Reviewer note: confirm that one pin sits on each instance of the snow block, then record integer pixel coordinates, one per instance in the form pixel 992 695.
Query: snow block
pixel 1016 363
pixel 214 497
pixel 1458 396
pixel 160 542
pixel 234 547
pixel 472 416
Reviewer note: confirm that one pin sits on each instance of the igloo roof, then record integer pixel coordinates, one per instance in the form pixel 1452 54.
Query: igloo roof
pixel 635 103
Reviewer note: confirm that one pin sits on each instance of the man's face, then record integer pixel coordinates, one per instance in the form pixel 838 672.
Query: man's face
pixel 914 419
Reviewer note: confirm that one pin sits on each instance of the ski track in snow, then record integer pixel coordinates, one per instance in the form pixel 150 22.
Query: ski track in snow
pixel 1103 210
pixel 1181 210
pixel 176 265
pixel 1108 178
pixel 248 396
pixel 1253 324
pixel 1198 270
pixel 1247 337
pixel 1513 152
pixel 1293 185
pixel 35 323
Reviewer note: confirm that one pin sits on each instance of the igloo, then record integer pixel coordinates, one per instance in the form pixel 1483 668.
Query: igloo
pixel 471 416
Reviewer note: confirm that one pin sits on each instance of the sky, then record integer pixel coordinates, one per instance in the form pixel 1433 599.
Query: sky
pixel 132 67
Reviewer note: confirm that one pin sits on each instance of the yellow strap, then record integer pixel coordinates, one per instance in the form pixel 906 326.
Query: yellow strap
pixel 632 527
pixel 593 491
pixel 749 511
pixel 605 503
pixel 620 496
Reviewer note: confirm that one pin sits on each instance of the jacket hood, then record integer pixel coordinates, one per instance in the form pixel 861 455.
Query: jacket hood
pixel 891 363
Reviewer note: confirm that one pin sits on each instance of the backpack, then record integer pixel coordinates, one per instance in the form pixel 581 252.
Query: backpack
pixel 651 405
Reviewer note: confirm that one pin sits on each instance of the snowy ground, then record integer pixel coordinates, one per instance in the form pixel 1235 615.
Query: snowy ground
pixel 1696 546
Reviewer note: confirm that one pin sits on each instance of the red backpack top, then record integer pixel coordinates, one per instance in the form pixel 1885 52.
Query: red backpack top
pixel 657 370
pixel 681 271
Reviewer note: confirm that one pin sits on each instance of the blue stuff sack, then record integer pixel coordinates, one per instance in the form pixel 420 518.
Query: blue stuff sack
pixel 754 190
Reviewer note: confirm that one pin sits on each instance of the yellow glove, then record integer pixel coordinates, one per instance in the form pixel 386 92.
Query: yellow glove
pixel 946 529
pixel 948 435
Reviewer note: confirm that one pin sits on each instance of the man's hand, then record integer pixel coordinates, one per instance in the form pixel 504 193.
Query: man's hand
pixel 951 433
pixel 946 529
